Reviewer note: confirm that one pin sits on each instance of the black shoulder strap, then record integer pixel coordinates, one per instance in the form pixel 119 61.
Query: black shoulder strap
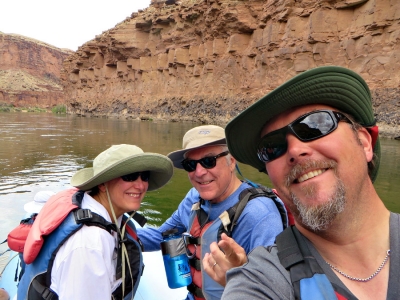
pixel 141 220
pixel 292 258
pixel 89 218
pixel 289 252
pixel 248 194
pixel 41 292
pixel 293 251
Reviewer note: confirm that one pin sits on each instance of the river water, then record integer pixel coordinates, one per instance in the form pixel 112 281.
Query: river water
pixel 41 151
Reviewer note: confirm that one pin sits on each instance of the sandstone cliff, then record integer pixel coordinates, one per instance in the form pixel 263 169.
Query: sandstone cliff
pixel 208 60
pixel 30 72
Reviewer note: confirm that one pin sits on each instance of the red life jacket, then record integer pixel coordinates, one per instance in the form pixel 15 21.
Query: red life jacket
pixel 197 230
pixel 17 237
pixel 51 216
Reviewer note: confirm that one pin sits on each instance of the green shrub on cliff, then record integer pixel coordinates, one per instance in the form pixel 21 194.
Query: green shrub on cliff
pixel 5 107
pixel 34 109
pixel 59 109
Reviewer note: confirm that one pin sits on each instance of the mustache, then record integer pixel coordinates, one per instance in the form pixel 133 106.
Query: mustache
pixel 307 165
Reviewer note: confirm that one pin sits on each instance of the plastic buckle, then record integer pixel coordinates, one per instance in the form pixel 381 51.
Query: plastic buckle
pixel 186 240
pixel 48 294
pixel 83 214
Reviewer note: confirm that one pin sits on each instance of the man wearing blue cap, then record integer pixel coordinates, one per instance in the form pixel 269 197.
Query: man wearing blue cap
pixel 315 136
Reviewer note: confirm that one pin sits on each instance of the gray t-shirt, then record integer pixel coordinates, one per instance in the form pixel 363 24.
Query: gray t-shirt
pixel 263 277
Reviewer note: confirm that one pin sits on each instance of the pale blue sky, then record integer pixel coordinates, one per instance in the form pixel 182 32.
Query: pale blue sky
pixel 65 24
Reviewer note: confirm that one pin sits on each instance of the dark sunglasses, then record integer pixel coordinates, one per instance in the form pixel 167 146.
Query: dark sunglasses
pixel 308 127
pixel 207 162
pixel 145 176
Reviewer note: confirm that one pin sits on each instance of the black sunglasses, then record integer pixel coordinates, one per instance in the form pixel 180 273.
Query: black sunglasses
pixel 207 162
pixel 308 127
pixel 145 176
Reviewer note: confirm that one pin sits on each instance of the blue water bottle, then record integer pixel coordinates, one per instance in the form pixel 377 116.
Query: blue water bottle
pixel 175 260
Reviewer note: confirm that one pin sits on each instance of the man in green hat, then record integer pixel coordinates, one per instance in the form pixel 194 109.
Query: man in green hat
pixel 315 136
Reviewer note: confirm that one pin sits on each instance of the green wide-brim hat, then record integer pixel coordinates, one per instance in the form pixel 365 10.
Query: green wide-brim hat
pixel 335 86
pixel 119 160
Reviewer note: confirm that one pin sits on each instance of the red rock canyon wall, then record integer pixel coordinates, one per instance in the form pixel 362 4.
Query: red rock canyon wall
pixel 208 60
pixel 30 72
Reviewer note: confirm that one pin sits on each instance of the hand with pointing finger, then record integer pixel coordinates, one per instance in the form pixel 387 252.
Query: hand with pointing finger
pixel 223 256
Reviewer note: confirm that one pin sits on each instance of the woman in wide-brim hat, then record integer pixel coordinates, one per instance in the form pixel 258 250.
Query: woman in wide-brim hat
pixel 96 261
pixel 119 180
pixel 122 175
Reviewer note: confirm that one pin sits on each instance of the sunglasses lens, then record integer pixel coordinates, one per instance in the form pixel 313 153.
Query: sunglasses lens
pixel 145 176
pixel 130 177
pixel 272 146
pixel 208 162
pixel 189 165
pixel 314 126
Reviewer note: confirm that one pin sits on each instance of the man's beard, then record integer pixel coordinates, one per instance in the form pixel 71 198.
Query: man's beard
pixel 320 217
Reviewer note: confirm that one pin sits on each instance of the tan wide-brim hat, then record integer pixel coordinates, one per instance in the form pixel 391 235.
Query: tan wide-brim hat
pixel 119 160
pixel 198 137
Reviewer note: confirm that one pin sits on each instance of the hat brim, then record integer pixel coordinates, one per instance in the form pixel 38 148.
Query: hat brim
pixel 330 85
pixel 160 167
pixel 32 207
pixel 178 156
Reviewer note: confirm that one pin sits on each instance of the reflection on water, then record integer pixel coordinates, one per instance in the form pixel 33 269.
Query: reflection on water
pixel 41 151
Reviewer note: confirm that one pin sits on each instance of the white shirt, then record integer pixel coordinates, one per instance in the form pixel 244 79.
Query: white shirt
pixel 84 267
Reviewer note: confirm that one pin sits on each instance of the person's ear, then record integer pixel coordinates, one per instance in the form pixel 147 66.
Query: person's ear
pixel 102 187
pixel 233 163
pixel 366 142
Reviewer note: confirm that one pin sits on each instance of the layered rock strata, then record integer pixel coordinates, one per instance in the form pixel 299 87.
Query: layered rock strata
pixel 30 72
pixel 206 61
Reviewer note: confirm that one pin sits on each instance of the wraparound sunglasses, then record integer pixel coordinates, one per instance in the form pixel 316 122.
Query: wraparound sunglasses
pixel 308 127
pixel 207 162
pixel 145 176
